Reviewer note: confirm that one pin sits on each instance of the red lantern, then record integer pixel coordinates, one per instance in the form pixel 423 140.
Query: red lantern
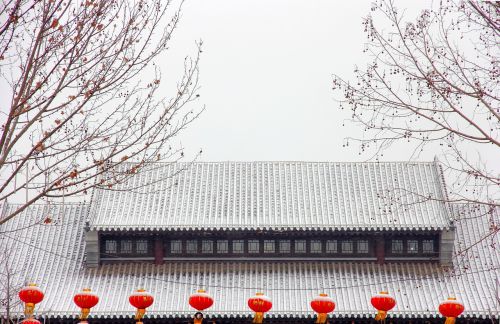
pixel 322 305
pixel 259 304
pixel 85 300
pixel 30 295
pixel 451 309
pixel 140 300
pixel 200 300
pixel 383 302
pixel 30 321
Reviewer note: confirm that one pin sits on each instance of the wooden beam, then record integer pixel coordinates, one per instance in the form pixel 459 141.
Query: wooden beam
pixel 380 249
pixel 158 250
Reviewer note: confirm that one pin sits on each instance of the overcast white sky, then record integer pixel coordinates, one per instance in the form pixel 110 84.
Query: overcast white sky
pixel 266 75
pixel 266 78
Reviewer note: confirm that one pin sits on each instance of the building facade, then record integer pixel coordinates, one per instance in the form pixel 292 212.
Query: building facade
pixel 291 230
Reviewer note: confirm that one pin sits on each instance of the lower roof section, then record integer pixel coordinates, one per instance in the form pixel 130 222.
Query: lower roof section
pixel 51 254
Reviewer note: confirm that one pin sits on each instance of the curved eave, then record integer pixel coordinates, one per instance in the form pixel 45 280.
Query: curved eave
pixel 187 228
pixel 291 315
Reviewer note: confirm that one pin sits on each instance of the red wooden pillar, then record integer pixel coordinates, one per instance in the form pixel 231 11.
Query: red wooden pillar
pixel 158 250
pixel 380 249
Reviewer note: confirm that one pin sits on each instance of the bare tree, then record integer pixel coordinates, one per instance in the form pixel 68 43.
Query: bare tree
pixel 433 82
pixel 76 103
pixel 10 285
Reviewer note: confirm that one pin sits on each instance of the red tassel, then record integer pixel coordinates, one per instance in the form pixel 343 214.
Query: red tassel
pixel 139 314
pixel 259 317
pixel 85 313
pixel 382 315
pixel 450 320
pixel 321 318
pixel 29 309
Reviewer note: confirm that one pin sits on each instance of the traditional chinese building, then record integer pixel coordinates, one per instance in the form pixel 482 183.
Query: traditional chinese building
pixel 291 230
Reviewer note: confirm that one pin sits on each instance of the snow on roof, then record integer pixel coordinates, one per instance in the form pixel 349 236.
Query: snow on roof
pixel 52 255
pixel 275 195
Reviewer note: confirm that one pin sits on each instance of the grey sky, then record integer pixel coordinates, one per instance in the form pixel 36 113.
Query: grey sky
pixel 266 75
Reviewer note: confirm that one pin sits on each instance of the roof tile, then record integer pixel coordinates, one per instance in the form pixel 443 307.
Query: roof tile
pixel 275 195
pixel 52 255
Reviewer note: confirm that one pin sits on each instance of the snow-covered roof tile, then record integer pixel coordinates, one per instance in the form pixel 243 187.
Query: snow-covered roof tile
pixel 52 255
pixel 275 195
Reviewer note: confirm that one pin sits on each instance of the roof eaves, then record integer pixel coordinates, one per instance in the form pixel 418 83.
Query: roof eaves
pixel 468 314
pixel 304 228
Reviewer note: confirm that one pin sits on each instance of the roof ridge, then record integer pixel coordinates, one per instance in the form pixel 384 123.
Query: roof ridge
pixel 286 161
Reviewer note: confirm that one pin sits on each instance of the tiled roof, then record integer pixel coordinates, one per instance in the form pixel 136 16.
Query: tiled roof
pixel 275 195
pixel 52 255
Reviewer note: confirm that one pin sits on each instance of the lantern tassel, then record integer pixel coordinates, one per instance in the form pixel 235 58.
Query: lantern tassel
pixel 139 314
pixel 321 318
pixel 29 309
pixel 259 317
pixel 84 314
pixel 450 320
pixel 382 315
